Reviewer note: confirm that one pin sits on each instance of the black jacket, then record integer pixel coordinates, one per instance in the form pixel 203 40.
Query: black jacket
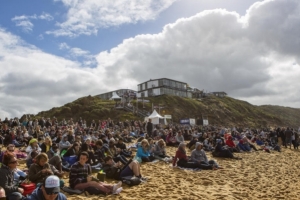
pixel 111 172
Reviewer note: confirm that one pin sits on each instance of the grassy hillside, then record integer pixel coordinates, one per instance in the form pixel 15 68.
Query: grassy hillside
pixel 220 111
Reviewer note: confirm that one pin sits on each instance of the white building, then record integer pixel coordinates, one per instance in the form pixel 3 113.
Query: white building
pixel 156 87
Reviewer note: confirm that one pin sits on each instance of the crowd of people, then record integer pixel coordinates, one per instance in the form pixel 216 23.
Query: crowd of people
pixel 52 147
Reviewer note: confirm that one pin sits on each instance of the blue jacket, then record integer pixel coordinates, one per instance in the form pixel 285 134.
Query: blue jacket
pixel 141 153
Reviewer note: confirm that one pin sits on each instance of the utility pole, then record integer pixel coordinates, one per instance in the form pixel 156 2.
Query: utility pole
pixel 137 105
pixel 158 109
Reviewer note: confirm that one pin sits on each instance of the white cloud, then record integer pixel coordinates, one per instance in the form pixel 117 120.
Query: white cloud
pixel 253 57
pixel 40 37
pixel 78 52
pixel 24 21
pixel 31 80
pixel 247 57
pixel 63 45
pixel 86 17
pixel 85 57
pixel 46 16
pixel 25 25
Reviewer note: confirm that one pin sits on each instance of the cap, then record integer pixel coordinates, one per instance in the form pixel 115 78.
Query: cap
pixel 32 141
pixel 52 185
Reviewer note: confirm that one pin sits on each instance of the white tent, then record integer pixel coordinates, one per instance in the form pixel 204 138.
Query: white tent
pixel 115 96
pixel 155 117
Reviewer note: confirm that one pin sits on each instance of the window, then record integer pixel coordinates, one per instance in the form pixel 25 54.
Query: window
pixel 160 82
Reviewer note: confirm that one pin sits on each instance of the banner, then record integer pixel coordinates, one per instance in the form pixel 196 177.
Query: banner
pixel 185 121
pixel 168 116
pixel 205 122
pixel 192 121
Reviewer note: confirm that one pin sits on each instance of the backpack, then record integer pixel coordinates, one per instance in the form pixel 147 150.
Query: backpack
pixel 131 180
pixel 70 159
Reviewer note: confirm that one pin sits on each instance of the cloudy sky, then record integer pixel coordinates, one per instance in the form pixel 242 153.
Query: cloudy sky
pixel 53 52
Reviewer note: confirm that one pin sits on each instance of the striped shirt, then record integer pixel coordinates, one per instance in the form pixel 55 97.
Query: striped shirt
pixel 79 174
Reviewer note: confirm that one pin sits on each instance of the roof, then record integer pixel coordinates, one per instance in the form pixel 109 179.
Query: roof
pixel 160 79
pixel 219 93
pixel 154 115
pixel 115 91
pixel 115 96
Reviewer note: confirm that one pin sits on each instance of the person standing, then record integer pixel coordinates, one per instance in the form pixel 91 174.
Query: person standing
pixel 149 128
pixel 288 137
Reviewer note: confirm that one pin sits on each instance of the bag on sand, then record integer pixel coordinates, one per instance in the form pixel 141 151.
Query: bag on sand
pixel 28 188
pixel 131 180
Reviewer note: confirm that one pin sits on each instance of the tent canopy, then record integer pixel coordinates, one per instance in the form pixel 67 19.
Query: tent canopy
pixel 115 96
pixel 154 117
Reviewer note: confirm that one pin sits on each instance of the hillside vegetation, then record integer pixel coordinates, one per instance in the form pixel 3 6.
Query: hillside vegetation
pixel 220 111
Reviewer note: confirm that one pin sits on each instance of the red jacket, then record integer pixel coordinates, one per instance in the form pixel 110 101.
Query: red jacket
pixel 179 155
pixel 230 143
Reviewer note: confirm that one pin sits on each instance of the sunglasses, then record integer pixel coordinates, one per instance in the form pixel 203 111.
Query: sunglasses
pixel 51 193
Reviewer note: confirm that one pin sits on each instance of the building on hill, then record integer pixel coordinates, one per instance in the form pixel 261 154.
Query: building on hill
pixel 219 94
pixel 124 93
pixel 196 93
pixel 156 87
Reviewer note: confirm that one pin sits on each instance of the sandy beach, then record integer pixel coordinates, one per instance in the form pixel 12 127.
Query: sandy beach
pixel 259 175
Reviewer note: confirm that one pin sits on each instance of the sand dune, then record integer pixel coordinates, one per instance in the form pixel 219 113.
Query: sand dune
pixel 259 175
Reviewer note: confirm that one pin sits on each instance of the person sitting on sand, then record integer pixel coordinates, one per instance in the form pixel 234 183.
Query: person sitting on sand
pixel 64 144
pixel 87 147
pixel 74 150
pixel 191 144
pixel 117 171
pixel 221 151
pixel 114 152
pixel 48 190
pixel 231 144
pixel 41 169
pixel 151 145
pixel 258 140
pixel 143 153
pixel 171 140
pixel 9 164
pixel 179 137
pixel 159 151
pixel 80 177
pixel 54 157
pixel 207 144
pixel 243 144
pixel 33 146
pixel 198 155
pixel 183 159
pixel 246 143
pixel 46 145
